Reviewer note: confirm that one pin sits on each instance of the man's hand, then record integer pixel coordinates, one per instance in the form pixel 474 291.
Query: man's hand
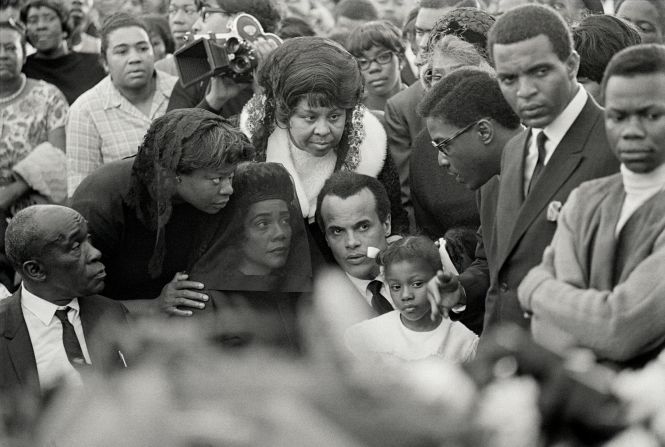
pixel 223 89
pixel 180 292
pixel 444 292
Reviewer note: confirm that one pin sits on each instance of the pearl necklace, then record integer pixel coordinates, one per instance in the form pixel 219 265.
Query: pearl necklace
pixel 17 93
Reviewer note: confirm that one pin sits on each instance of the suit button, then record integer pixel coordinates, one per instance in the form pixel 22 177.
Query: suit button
pixel 503 287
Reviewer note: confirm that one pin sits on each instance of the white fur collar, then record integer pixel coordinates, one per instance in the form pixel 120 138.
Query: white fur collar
pixel 372 150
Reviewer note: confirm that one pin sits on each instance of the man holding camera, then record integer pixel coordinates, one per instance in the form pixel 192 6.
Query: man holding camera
pixel 221 94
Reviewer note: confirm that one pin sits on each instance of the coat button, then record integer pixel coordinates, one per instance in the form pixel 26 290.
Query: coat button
pixel 503 287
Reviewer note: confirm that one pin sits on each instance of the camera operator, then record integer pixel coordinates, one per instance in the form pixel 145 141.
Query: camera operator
pixel 220 94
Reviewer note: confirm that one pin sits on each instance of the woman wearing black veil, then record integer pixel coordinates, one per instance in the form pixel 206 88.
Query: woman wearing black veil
pixel 257 269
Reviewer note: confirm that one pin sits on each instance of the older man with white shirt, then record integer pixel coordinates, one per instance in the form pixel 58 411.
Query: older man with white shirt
pixel 46 325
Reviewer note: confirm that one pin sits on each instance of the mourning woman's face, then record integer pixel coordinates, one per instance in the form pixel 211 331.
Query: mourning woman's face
pixel 267 241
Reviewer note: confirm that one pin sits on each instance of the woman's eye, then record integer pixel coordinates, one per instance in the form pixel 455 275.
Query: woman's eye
pixel 395 287
pixel 364 227
pixel 216 180
pixel 418 284
pixel 262 224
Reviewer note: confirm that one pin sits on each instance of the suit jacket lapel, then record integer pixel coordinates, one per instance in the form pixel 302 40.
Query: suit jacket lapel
pixel 90 315
pixel 511 193
pixel 18 341
pixel 565 159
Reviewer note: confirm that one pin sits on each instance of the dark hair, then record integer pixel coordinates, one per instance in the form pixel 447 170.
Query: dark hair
pixel 379 33
pixel 55 5
pixel 291 27
pixel 179 142
pixel 461 242
pixel 469 24
pixel 157 24
pixel 598 38
pixel 4 4
pixel 356 10
pixel 265 11
pixel 116 21
pixel 15 26
pixel 440 4
pixel 344 184
pixel 467 95
pixel 643 59
pixel 529 21
pixel 314 68
pixel 594 6
pixel 411 248
pixel 409 26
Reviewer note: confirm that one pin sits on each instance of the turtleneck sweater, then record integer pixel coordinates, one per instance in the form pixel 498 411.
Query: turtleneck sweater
pixel 639 188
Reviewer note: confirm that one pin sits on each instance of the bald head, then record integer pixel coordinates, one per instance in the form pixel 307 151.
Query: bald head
pixel 34 228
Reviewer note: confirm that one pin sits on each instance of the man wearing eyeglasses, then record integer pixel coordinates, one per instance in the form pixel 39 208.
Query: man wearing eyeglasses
pixel 222 95
pixel 182 16
pixel 470 122
pixel 565 145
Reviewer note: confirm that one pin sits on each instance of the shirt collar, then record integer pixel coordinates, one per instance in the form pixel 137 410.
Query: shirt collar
pixel 363 284
pixel 114 98
pixel 558 128
pixel 42 309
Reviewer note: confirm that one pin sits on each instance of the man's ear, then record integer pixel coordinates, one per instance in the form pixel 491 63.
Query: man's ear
pixel 573 64
pixel 34 271
pixel 485 131
pixel 386 226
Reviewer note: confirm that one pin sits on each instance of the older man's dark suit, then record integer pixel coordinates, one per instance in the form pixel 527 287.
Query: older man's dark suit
pixel 18 368
pixel 522 230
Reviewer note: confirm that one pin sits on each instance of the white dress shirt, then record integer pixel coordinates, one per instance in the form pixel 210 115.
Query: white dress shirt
pixel 555 132
pixel 45 331
pixel 363 287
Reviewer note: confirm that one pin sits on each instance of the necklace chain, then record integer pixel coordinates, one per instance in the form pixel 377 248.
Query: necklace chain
pixel 17 93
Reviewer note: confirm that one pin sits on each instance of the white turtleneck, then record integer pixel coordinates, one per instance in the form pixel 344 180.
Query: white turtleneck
pixel 639 188
pixel 313 172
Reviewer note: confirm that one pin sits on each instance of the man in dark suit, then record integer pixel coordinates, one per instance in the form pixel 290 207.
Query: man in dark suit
pixel 470 121
pixel 46 325
pixel 353 212
pixel 564 145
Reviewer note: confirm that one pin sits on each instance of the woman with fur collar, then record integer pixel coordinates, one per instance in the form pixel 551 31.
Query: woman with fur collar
pixel 310 119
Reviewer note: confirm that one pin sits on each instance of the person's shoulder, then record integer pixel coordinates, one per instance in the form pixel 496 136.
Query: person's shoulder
pixel 91 99
pixel 110 178
pixel 412 93
pixel 103 303
pixel 600 185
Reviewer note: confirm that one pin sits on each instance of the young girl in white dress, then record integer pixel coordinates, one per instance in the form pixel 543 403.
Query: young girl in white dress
pixel 409 332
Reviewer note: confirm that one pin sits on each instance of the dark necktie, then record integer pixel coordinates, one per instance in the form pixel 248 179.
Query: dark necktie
pixel 70 340
pixel 379 302
pixel 540 164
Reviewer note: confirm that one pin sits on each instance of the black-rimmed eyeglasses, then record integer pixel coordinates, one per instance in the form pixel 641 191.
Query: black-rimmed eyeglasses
pixel 442 146
pixel 381 59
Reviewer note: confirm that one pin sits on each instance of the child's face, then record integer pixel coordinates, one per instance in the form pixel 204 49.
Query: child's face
pixel 407 281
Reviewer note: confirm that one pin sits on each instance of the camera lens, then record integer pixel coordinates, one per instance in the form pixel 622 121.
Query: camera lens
pixel 241 64
pixel 232 45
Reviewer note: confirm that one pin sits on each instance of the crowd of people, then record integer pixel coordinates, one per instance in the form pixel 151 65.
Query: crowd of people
pixel 457 202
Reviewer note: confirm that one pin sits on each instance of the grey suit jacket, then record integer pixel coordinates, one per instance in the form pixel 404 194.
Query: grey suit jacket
pixel 18 368
pixel 522 230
